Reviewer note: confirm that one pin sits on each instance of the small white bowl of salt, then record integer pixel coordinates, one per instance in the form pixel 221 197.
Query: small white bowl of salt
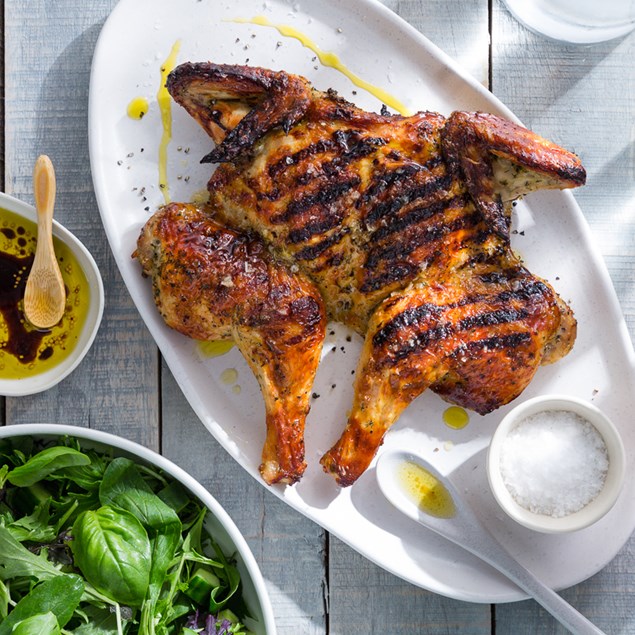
pixel 556 464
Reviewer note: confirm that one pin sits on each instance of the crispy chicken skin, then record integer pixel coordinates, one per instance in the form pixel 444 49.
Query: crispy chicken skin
pixel 402 224
pixel 211 283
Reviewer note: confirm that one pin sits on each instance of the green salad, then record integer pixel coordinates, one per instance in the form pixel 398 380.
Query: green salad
pixel 96 545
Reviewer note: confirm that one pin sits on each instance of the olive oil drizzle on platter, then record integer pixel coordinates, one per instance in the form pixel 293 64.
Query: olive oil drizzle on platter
pixel 24 349
pixel 215 348
pixel 329 59
pixel 165 107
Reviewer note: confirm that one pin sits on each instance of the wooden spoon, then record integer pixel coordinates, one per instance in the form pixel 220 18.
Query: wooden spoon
pixel 45 295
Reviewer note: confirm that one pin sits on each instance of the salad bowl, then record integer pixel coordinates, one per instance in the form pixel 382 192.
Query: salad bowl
pixel 126 511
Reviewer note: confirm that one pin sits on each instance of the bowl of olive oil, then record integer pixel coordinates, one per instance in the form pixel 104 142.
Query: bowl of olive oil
pixel 33 360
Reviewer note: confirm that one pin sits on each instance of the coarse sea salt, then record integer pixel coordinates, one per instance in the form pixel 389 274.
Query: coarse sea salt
pixel 554 463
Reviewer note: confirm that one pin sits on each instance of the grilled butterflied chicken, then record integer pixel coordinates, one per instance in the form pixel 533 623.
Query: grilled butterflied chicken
pixel 403 225
pixel 211 283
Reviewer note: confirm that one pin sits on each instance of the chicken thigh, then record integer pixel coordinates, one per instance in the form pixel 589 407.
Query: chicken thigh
pixel 211 283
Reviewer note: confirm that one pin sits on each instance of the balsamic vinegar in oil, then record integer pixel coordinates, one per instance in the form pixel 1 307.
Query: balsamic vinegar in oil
pixel 24 349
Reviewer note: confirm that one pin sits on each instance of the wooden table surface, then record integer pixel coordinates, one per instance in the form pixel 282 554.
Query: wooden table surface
pixel 582 97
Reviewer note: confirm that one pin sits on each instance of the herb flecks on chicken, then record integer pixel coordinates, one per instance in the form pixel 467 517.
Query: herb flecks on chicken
pixel 402 224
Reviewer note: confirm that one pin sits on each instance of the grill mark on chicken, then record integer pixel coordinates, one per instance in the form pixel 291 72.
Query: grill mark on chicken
pixel 497 277
pixel 314 228
pixel 324 196
pixel 415 316
pixel 395 251
pixel 524 290
pixel 347 145
pixel 311 252
pixel 509 342
pixel 319 147
pixel 345 160
pixel 397 272
pixel 416 215
pixel 436 185
pixel 502 316
pixel 384 180
pixel 405 319
pixel 443 332
pixel 354 144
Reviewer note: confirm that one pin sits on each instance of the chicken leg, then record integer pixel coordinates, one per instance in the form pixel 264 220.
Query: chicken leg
pixel 211 283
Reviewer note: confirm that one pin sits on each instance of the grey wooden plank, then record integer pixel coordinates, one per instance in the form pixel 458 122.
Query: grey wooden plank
pixel 48 53
pixel 288 547
pixel 370 600
pixel 362 597
pixel 583 98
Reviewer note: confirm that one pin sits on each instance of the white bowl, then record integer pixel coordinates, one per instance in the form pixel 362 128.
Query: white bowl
pixel 588 514
pixel 218 522
pixel 35 383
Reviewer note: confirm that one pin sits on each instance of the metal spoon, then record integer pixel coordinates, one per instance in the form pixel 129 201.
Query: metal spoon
pixel 45 295
pixel 464 529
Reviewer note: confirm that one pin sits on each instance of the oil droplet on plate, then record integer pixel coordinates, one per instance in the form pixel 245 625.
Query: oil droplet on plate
pixel 426 490
pixel 216 348
pixel 137 108
pixel 229 376
pixel 455 417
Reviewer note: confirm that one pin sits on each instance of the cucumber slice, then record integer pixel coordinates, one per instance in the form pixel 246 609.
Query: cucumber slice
pixel 200 585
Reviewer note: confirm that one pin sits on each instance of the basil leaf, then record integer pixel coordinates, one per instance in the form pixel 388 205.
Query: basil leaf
pixel 87 477
pixel 174 495
pixel 45 463
pixel 112 550
pixel 42 624
pixel 60 596
pixel 124 487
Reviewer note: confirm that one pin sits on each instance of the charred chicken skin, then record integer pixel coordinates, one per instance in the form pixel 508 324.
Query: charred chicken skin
pixel 403 226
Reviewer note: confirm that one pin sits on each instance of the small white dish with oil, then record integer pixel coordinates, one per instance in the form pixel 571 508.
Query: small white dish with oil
pixel 33 360
pixel 556 464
